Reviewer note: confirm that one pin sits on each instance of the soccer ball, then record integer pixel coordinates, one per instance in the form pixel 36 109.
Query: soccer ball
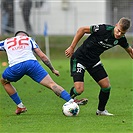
pixel 70 109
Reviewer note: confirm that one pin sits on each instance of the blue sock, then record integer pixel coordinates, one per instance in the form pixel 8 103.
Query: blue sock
pixel 65 95
pixel 15 98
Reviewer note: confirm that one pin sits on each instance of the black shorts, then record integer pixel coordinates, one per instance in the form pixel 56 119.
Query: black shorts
pixel 77 71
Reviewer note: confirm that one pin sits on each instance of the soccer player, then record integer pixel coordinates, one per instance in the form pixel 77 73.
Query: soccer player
pixel 87 57
pixel 22 62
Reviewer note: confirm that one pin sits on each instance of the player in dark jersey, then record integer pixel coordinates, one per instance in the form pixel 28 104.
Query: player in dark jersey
pixel 87 57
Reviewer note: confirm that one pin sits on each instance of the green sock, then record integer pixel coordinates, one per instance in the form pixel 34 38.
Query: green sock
pixel 103 98
pixel 73 92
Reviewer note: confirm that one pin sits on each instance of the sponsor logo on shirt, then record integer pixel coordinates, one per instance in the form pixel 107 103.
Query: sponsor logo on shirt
pixel 105 45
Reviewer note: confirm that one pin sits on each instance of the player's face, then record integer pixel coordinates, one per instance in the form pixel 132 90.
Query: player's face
pixel 118 32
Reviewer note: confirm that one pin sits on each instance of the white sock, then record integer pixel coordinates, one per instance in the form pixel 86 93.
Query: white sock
pixel 20 105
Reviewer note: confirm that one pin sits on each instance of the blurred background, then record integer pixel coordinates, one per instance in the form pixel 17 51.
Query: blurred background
pixel 61 17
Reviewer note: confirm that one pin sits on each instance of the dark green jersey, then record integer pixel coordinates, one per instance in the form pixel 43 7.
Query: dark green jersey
pixel 101 39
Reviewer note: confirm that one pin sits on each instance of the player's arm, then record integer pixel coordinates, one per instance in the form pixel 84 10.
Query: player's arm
pixel 130 51
pixel 45 60
pixel 80 33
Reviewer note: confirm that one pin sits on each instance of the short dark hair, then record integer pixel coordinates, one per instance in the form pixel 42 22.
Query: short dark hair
pixel 125 23
pixel 21 32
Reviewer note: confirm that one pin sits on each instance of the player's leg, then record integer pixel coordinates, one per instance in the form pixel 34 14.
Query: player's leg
pixel 104 93
pixel 40 75
pixel 77 89
pixel 103 96
pixel 77 72
pixel 100 76
pixel 9 76
pixel 57 89
pixel 14 96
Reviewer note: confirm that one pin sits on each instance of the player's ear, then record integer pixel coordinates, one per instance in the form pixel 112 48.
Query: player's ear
pixel 116 24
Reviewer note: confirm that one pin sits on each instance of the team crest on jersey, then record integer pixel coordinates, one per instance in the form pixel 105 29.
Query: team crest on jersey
pixel 115 42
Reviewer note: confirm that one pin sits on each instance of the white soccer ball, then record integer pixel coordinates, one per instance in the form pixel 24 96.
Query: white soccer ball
pixel 70 109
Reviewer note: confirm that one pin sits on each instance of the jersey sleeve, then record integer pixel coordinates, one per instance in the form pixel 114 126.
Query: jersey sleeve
pixel 98 29
pixel 123 42
pixel 33 43
pixel 2 46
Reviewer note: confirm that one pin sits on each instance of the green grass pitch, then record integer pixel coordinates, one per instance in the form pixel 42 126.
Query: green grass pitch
pixel 45 108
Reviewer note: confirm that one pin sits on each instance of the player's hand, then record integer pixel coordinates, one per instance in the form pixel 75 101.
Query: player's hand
pixel 56 72
pixel 69 52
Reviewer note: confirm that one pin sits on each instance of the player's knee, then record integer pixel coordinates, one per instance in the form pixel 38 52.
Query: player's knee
pixel 79 89
pixel 105 85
